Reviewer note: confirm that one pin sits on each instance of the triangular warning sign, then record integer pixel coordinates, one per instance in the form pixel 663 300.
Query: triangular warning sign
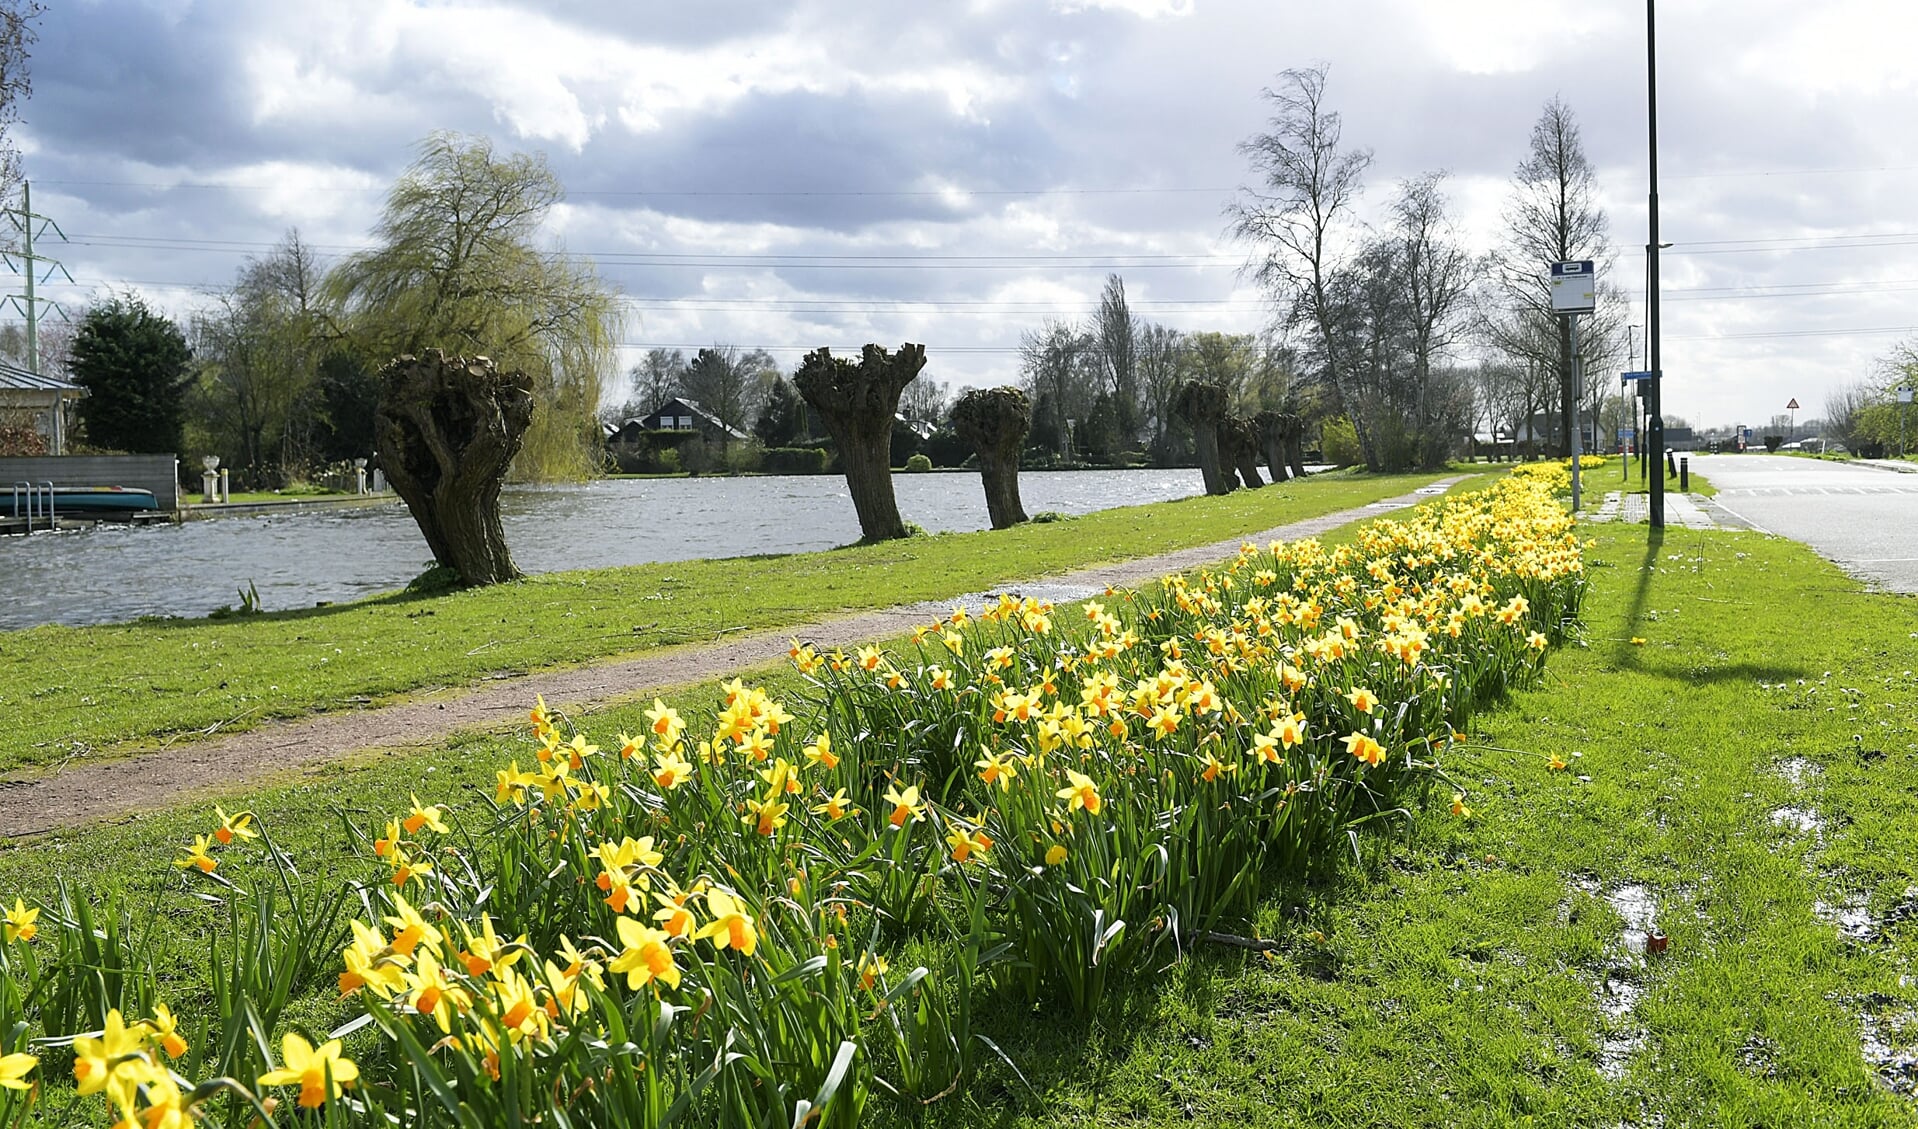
pixel 1793 406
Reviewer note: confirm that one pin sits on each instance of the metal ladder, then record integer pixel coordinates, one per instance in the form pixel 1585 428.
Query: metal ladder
pixel 39 498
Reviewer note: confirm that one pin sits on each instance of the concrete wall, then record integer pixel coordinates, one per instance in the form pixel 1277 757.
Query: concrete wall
pixel 158 473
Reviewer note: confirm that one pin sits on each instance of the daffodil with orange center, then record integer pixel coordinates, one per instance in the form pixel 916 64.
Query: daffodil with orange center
pixel 485 952
pixel 165 1028
pixel 905 805
pixel 731 927
pixel 198 857
pixel 836 806
pixel 20 923
pixel 238 826
pixel 320 1074
pixel 673 915
pixel 646 956
pixel 766 816
pixel 670 770
pixel 427 816
pixel 871 968
pixel 969 844
pixel 1080 792
pixel 1362 746
pixel 663 720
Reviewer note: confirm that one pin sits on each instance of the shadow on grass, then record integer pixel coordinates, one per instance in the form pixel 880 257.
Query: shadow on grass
pixel 1626 656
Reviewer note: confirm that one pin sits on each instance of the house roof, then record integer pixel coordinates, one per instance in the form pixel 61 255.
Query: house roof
pixel 13 376
pixel 697 409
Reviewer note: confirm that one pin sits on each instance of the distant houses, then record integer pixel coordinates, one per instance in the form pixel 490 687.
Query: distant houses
pixel 35 405
pixel 676 414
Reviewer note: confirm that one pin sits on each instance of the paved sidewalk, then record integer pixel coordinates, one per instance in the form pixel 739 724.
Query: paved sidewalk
pixel 88 792
pixel 1682 510
pixel 1900 466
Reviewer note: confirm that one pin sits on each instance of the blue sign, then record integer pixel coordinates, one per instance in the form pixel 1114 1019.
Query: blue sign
pixel 1577 266
pixel 1626 433
pixel 1636 375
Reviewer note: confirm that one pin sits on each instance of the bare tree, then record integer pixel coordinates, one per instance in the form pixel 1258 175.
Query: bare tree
pixel 1058 365
pixel 1118 344
pixel 1553 216
pixel 1299 222
pixel 1162 365
pixel 655 380
pixel 1435 276
pixel 17 33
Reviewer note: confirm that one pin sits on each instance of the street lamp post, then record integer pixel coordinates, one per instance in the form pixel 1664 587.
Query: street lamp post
pixel 1655 423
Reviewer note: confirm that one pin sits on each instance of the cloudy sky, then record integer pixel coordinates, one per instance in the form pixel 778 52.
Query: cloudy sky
pixel 832 172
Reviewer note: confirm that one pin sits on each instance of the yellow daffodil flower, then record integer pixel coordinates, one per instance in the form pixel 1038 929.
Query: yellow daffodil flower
pixel 19 925
pixel 1081 792
pixel 732 927
pixel 320 1074
pixel 871 968
pixel 198 856
pixel 233 826
pixel 420 817
pixel 646 956
pixel 1362 746
pixel 905 805
pixel 837 806
pixel 14 1069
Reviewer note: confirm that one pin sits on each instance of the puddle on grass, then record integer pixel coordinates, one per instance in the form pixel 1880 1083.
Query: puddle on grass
pixel 1621 988
pixel 1850 916
pixel 1805 821
pixel 1636 905
pixel 1896 1067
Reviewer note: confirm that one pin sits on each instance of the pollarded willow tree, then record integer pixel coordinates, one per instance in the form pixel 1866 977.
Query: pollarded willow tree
pixel 461 267
pixel 1240 442
pixel 995 421
pixel 448 428
pixel 857 400
pixel 1202 405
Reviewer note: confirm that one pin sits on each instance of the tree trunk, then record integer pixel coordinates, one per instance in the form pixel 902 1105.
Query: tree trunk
pixel 995 421
pixel 1271 428
pixel 858 402
pixel 446 430
pixel 1242 441
pixel 1203 405
pixel 1295 444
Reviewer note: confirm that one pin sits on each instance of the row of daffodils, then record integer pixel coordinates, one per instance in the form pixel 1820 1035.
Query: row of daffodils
pixel 785 912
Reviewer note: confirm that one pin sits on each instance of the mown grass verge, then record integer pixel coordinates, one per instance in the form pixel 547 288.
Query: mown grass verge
pixel 85 691
pixel 1457 978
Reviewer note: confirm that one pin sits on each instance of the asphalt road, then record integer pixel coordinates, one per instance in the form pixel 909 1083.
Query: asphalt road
pixel 1863 519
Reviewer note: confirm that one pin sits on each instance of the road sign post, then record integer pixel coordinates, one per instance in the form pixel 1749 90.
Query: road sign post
pixel 1904 409
pixel 1574 292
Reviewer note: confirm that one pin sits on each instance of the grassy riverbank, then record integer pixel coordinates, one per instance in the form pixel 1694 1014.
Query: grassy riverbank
pixel 93 691
pixel 1734 781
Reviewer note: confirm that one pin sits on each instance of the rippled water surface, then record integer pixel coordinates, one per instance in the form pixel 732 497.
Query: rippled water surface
pixel 113 573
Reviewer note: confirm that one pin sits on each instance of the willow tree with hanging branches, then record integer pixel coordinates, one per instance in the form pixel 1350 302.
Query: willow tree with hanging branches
pixel 460 266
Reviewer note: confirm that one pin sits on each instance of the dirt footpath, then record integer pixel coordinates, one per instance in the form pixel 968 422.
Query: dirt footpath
pixel 89 792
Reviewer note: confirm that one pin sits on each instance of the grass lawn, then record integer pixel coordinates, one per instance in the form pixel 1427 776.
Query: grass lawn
pixel 84 691
pixel 1744 782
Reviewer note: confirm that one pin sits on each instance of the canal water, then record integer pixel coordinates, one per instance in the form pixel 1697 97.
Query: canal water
pixel 113 573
